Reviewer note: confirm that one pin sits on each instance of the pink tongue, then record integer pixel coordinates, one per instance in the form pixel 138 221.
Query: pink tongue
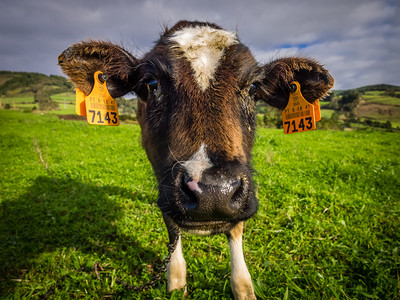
pixel 193 186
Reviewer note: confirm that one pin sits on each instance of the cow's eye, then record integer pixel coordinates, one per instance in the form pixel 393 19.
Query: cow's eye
pixel 252 89
pixel 152 85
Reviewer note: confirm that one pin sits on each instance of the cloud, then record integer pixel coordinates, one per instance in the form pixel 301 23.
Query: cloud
pixel 357 40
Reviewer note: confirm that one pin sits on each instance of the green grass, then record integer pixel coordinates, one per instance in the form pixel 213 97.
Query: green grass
pixel 323 103
pixel 65 109
pixel 18 99
pixel 396 124
pixel 328 225
pixel 327 113
pixel 380 98
pixel 70 97
pixel 26 102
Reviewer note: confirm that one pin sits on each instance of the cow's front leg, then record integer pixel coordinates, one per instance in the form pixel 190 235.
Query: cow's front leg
pixel 241 284
pixel 176 268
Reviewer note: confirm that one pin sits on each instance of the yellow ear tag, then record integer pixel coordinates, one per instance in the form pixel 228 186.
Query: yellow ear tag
pixel 298 115
pixel 101 108
pixel 80 107
pixel 317 110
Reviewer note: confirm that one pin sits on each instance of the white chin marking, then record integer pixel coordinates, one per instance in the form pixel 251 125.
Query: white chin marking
pixel 203 47
pixel 197 164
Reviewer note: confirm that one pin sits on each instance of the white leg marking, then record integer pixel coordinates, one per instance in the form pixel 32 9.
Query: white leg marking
pixel 176 269
pixel 241 284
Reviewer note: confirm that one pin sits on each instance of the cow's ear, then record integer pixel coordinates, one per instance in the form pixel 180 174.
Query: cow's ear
pixel 82 60
pixel 314 79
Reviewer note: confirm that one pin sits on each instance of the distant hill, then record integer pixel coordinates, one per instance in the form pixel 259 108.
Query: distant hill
pixel 14 83
pixel 373 104
pixel 30 91
pixel 380 103
pixel 368 106
pixel 24 88
pixel 379 87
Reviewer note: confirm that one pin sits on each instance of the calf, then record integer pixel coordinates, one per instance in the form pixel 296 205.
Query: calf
pixel 197 91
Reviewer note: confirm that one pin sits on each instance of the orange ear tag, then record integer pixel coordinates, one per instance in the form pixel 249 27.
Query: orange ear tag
pixel 80 107
pixel 101 108
pixel 317 110
pixel 299 114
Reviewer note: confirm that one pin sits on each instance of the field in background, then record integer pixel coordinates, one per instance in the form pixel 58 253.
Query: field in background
pixel 378 106
pixel 328 225
pixel 65 100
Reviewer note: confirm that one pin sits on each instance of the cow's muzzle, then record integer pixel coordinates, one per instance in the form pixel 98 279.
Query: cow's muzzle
pixel 215 202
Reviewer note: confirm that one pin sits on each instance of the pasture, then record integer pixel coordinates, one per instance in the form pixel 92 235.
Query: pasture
pixel 328 225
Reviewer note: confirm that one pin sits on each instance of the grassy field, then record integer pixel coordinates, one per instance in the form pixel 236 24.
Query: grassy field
pixel 27 101
pixel 328 225
pixel 380 97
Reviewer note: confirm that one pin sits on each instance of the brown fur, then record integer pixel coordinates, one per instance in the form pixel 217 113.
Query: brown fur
pixel 199 111
pixel 81 61
pixel 178 117
pixel 314 79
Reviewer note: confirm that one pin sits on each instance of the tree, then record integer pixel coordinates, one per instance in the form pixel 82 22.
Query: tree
pixel 388 125
pixel 333 100
pixel 44 100
pixel 349 101
pixel 273 118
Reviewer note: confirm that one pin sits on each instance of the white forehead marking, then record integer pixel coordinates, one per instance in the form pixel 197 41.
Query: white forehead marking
pixel 203 47
pixel 197 164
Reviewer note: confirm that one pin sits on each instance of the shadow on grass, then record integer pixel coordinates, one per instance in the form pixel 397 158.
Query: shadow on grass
pixel 74 215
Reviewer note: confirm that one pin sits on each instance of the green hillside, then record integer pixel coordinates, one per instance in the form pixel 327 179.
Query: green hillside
pixel 368 106
pixel 379 87
pixel 373 104
pixel 20 82
pixel 24 90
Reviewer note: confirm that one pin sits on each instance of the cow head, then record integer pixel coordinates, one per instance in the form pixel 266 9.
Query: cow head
pixel 197 88
pixel 197 92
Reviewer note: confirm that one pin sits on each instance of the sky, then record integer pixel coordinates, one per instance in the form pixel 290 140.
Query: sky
pixel 358 41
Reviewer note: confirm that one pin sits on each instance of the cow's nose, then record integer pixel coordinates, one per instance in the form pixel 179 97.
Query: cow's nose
pixel 213 197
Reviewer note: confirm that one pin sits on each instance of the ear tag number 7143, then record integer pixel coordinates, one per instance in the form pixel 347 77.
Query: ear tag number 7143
pixel 98 107
pixel 299 115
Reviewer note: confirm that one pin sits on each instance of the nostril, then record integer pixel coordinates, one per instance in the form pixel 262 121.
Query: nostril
pixel 214 197
pixel 239 192
pixel 194 186
pixel 229 188
pixel 188 189
pixel 236 183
